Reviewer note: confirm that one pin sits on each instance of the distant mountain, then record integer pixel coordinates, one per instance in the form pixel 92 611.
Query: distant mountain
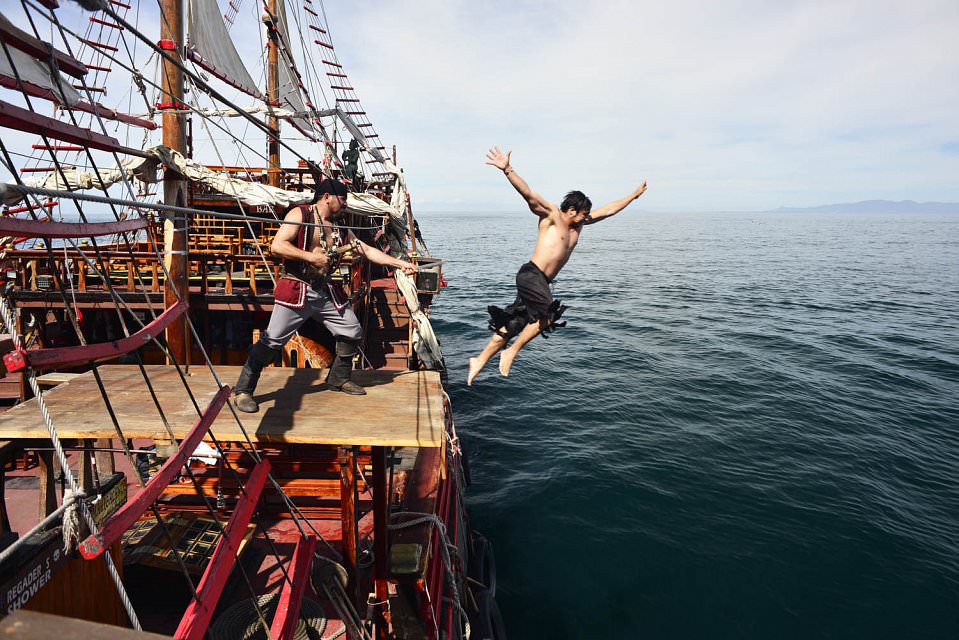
pixel 876 206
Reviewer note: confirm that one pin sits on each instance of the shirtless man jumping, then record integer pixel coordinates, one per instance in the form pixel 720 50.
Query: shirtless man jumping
pixel 534 310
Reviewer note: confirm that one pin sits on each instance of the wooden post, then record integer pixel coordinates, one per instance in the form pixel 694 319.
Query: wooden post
pixel 272 95
pixel 381 546
pixel 348 516
pixel 85 470
pixel 48 486
pixel 174 186
pixel 105 461
pixel 229 276
pixel 8 451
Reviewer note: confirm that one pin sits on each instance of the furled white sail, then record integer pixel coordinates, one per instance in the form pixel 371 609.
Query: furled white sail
pixel 424 338
pixel 291 97
pixel 249 193
pixel 31 70
pixel 71 179
pixel 209 45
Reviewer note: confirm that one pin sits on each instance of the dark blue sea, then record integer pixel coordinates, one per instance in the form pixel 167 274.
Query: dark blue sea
pixel 749 428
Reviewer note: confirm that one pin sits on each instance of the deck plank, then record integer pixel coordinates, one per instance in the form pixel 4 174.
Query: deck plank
pixel 401 409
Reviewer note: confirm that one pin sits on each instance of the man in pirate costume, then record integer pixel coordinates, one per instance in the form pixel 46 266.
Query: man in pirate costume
pixel 304 292
pixel 534 311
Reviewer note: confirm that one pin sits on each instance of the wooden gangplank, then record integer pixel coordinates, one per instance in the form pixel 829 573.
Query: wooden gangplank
pixel 401 409
pixel 30 625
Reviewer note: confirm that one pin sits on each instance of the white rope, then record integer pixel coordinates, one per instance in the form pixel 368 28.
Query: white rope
pixel 71 521
pixel 445 547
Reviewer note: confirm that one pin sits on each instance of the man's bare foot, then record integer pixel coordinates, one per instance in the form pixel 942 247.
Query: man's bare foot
pixel 506 361
pixel 475 367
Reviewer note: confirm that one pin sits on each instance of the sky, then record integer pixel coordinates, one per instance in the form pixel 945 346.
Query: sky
pixel 720 106
pixel 735 105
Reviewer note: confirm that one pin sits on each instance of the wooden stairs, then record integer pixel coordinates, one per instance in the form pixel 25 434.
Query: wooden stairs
pixel 388 327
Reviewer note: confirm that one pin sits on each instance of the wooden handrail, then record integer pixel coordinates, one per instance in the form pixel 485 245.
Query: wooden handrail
pixel 66 356
pixel 197 617
pixel 288 609
pixel 129 513
pixel 25 228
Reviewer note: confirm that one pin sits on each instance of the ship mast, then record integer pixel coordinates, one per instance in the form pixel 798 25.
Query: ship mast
pixel 270 19
pixel 174 186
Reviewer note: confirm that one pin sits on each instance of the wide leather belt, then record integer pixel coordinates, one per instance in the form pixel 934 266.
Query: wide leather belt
pixel 315 283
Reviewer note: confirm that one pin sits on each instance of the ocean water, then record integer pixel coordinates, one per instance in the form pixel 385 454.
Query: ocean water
pixel 749 429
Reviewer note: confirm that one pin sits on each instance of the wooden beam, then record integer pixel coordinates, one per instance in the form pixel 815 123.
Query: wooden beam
pixel 288 609
pixel 31 625
pixel 195 621
pixel 348 517
pixel 42 51
pixel 21 119
pixel 35 229
pixel 123 519
pixel 381 547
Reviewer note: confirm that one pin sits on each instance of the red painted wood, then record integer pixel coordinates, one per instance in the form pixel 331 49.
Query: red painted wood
pixel 110 114
pixel 112 25
pixel 32 90
pixel 195 621
pixel 56 147
pixel 50 204
pixel 195 57
pixel 98 45
pixel 66 356
pixel 21 119
pixel 288 609
pixel 36 91
pixel 129 513
pixel 33 229
pixel 20 39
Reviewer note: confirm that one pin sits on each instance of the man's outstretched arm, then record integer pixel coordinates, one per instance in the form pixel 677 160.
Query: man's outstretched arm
pixel 536 203
pixel 615 206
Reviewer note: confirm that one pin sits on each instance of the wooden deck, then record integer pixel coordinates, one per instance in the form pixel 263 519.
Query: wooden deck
pixel 401 409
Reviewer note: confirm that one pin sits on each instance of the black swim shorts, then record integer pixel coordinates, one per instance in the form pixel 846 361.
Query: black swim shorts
pixel 534 302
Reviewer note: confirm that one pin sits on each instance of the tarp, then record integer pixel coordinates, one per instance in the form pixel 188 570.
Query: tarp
pixel 31 70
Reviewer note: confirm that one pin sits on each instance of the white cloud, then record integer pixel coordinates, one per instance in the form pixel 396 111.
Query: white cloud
pixel 720 105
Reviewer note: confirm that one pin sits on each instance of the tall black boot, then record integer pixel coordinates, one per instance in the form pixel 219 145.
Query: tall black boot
pixel 338 378
pixel 260 356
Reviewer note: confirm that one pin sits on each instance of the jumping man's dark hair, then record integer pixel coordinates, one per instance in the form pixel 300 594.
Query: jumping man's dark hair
pixel 576 200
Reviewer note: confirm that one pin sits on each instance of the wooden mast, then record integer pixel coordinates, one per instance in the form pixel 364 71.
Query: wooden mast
pixel 272 21
pixel 174 186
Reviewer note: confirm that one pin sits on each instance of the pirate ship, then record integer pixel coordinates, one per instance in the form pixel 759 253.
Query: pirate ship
pixel 144 179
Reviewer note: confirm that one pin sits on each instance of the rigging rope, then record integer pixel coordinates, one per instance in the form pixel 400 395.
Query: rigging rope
pixel 11 328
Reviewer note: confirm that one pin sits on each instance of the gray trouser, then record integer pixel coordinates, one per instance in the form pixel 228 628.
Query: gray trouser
pixel 284 322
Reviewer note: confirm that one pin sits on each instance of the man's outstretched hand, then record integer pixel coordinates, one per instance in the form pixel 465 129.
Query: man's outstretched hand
pixel 641 190
pixel 497 159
